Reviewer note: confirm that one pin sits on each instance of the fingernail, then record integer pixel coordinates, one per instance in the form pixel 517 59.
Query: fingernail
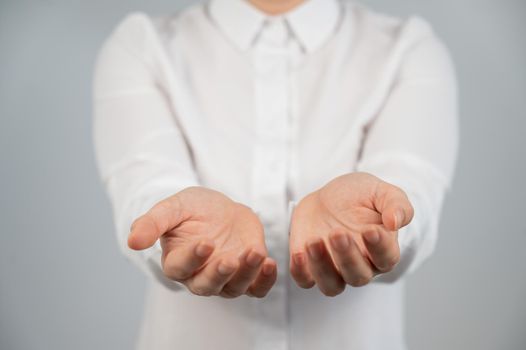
pixel 299 259
pixel 131 226
pixel 340 241
pixel 399 218
pixel 268 269
pixel 372 237
pixel 225 269
pixel 314 250
pixel 203 250
pixel 254 259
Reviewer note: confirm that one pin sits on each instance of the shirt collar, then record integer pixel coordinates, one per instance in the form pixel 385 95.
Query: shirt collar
pixel 312 22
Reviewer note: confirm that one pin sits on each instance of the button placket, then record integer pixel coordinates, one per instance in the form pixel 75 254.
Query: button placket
pixel 270 153
pixel 269 178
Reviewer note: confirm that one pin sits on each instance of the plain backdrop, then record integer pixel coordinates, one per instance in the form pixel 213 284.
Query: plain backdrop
pixel 63 282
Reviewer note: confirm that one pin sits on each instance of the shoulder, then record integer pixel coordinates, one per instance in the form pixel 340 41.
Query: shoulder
pixel 385 28
pixel 410 43
pixel 138 31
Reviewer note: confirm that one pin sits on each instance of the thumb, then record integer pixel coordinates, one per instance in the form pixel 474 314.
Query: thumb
pixel 393 204
pixel 161 218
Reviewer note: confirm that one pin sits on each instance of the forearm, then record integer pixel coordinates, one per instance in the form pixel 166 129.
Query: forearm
pixel 141 153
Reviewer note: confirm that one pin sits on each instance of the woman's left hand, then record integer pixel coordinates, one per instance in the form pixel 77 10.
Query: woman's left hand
pixel 347 232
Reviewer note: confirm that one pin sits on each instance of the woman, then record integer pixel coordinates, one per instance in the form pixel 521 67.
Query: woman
pixel 259 148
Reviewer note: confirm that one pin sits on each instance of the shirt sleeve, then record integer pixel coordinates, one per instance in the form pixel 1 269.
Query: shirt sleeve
pixel 412 143
pixel 141 153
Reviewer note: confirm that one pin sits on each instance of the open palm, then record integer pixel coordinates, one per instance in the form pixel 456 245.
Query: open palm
pixel 346 232
pixel 213 245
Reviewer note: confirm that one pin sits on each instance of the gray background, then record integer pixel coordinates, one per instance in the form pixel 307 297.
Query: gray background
pixel 63 283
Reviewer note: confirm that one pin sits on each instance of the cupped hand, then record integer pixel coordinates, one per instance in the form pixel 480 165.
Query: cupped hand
pixel 347 232
pixel 210 243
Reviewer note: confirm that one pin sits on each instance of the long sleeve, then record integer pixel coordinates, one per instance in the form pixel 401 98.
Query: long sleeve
pixel 412 143
pixel 141 153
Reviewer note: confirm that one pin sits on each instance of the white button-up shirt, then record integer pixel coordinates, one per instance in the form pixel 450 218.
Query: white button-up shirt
pixel 267 110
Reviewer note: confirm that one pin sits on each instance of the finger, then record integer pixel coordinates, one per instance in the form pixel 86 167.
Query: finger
pixel 299 270
pixel 323 270
pixel 181 262
pixel 298 265
pixel 383 248
pixel 394 206
pixel 213 277
pixel 353 266
pixel 249 266
pixel 161 218
pixel 265 279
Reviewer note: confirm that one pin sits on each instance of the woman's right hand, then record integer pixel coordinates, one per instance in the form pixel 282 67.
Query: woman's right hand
pixel 211 244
